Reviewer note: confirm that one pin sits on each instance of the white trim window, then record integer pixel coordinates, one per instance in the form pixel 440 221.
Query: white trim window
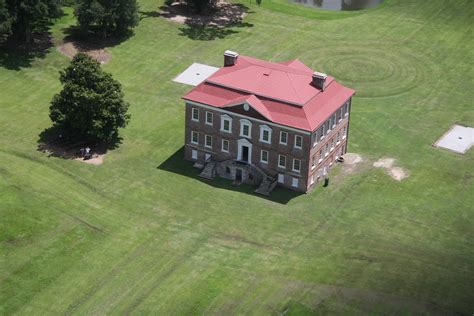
pixel 226 123
pixel 295 182
pixel 298 141
pixel 344 132
pixel 323 127
pixel 297 165
pixel 264 156
pixel 332 144
pixel 265 134
pixel 328 126
pixel 338 138
pixel 281 161
pixel 208 141
pixel 334 120
pixel 339 114
pixel 283 137
pixel 346 108
pixel 195 114
pixel 245 128
pixel 209 118
pixel 313 162
pixel 194 137
pixel 281 178
pixel 225 145
pixel 320 156
pixel 194 154
pixel 326 149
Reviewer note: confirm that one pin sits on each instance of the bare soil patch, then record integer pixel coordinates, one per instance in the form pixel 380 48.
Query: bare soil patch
pixel 73 152
pixel 70 49
pixel 352 162
pixel 222 14
pixel 396 173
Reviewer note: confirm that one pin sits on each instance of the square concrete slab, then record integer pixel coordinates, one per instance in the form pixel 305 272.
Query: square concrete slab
pixel 195 74
pixel 458 139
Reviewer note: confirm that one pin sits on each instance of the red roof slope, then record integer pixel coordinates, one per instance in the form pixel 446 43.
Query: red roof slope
pixel 281 92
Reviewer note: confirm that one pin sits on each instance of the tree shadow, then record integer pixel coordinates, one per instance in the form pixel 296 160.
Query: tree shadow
pixel 217 22
pixel 77 40
pixel 58 142
pixel 15 55
pixel 149 14
pixel 176 164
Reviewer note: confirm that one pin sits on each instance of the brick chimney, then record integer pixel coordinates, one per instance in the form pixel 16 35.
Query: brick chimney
pixel 230 58
pixel 319 80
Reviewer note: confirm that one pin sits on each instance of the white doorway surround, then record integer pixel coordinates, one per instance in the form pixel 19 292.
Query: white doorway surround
pixel 244 151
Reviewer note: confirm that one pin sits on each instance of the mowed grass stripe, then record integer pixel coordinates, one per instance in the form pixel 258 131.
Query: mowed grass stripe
pixel 176 244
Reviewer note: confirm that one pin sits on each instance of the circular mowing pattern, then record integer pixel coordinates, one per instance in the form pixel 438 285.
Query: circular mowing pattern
pixel 372 72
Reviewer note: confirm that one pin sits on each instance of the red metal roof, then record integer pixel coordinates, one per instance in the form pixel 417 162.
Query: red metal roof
pixel 281 92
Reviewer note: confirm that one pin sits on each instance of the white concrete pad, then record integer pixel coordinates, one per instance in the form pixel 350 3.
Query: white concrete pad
pixel 458 139
pixel 195 74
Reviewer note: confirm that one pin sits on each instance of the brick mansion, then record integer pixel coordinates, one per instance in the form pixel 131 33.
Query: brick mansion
pixel 267 123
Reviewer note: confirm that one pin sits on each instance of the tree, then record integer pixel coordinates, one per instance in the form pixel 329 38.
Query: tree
pixel 5 20
pixel 91 102
pixel 107 17
pixel 22 19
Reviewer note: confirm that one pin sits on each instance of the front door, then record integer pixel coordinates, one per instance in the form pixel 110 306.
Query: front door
pixel 238 174
pixel 245 153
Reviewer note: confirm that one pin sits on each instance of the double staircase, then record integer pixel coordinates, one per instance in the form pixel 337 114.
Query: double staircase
pixel 265 187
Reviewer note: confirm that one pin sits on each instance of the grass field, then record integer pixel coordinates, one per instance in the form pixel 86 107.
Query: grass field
pixel 141 234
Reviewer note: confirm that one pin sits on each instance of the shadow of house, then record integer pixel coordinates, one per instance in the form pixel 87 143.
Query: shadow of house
pixel 176 164
pixel 57 142
pixel 16 55
pixel 217 22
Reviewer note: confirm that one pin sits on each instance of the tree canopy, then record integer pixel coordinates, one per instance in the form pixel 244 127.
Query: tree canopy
pixel 21 19
pixel 106 17
pixel 91 102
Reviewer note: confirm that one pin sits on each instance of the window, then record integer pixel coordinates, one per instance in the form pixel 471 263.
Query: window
pixel 194 154
pixel 225 145
pixel 332 144
pixel 344 132
pixel 324 131
pixel 283 138
pixel 338 137
pixel 295 182
pixel 345 108
pixel 298 141
pixel 339 114
pixel 296 165
pixel 209 118
pixel 226 123
pixel 281 178
pixel 265 134
pixel 195 116
pixel 320 156
pixel 245 128
pixel 208 142
pixel 281 161
pixel 194 137
pixel 328 127
pixel 264 156
pixel 334 122
pixel 313 162
pixel 316 137
pixel 326 149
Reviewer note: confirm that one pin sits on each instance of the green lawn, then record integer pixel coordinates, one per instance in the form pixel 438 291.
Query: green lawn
pixel 142 234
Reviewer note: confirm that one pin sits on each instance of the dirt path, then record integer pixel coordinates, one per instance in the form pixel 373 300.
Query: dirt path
pixel 70 49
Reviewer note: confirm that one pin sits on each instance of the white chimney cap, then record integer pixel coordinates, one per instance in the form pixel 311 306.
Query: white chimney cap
pixel 230 53
pixel 319 75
